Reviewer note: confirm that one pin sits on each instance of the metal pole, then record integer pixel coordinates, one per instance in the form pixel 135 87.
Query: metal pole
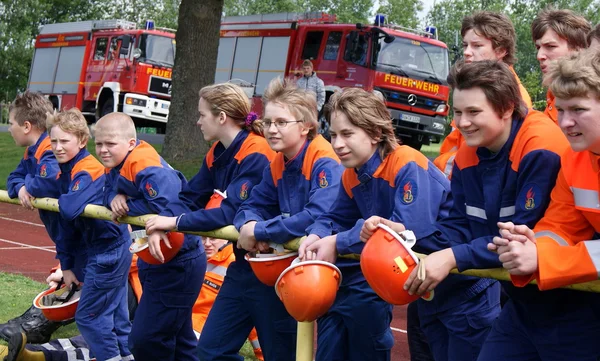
pixel 305 341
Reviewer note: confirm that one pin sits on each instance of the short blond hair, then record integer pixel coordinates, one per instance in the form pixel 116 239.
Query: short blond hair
pixel 301 103
pixel 230 99
pixel 31 107
pixel 118 125
pixel 70 121
pixel 575 76
pixel 368 112
pixel 565 23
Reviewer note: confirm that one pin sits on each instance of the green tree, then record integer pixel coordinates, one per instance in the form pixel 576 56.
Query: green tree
pixel 199 24
pixel 401 12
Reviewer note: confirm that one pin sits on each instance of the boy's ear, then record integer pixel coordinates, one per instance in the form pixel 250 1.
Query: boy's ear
pixel 222 117
pixel 305 129
pixel 131 144
pixel 27 127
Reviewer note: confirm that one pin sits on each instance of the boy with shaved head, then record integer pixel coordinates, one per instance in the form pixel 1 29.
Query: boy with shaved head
pixel 140 182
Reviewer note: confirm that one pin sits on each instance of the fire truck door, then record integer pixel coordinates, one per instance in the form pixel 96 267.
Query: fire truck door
pixel 96 68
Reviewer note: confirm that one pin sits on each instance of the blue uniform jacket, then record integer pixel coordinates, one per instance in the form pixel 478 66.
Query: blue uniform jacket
pixel 152 186
pixel 404 187
pixel 511 185
pixel 81 182
pixel 38 171
pixel 234 170
pixel 292 193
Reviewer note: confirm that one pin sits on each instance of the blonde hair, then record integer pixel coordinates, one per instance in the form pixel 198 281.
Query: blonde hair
pixel 368 112
pixel 70 121
pixel 301 103
pixel 117 125
pixel 31 107
pixel 230 99
pixel 565 23
pixel 575 76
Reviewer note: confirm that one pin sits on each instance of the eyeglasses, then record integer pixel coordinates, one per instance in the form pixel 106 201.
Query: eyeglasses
pixel 279 123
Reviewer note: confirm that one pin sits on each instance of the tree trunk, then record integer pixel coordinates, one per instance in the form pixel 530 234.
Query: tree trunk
pixel 195 64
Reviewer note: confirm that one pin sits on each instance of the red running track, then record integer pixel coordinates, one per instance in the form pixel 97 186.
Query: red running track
pixel 26 249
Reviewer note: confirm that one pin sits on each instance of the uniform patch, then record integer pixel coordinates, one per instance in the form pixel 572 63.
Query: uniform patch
pixel 244 190
pixel 324 177
pixel 76 186
pixel 409 191
pixel 151 188
pixel 43 171
pixel 530 197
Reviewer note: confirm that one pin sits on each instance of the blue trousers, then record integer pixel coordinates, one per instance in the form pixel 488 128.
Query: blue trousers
pixel 162 330
pixel 417 342
pixel 457 334
pixel 102 316
pixel 523 334
pixel 356 327
pixel 242 303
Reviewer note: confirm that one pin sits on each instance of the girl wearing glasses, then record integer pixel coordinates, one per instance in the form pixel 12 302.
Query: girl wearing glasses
pixel 382 179
pixel 232 166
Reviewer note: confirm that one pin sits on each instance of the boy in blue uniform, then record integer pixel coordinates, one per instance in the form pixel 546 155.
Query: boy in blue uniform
pixel 35 177
pixel 505 172
pixel 300 184
pixel 381 179
pixel 140 182
pixel 102 315
pixel 232 166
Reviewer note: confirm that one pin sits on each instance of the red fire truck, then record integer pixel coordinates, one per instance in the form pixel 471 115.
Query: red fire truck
pixel 106 66
pixel 408 67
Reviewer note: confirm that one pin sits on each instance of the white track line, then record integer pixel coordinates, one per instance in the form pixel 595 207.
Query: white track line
pixel 18 248
pixel 20 221
pixel 28 245
pixel 398 329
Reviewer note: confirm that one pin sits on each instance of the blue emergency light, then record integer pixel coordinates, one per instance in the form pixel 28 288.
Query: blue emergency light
pixel 149 24
pixel 379 19
pixel 431 30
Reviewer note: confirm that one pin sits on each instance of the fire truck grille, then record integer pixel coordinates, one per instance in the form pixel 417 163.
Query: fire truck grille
pixel 403 98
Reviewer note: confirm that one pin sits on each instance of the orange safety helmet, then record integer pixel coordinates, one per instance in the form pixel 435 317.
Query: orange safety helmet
pixel 308 289
pixel 386 262
pixel 62 312
pixel 140 246
pixel 268 267
pixel 216 199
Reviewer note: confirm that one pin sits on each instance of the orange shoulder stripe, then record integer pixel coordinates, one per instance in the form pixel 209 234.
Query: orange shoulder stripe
pixel 277 166
pixel 210 155
pixel 90 165
pixel 466 157
pixel 349 181
pixel 140 158
pixel 45 146
pixel 318 148
pixel 254 143
pixel 401 156
pixel 537 132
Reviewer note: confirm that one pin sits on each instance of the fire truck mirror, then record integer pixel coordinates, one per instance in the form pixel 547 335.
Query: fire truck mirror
pixel 137 52
pixel 125 43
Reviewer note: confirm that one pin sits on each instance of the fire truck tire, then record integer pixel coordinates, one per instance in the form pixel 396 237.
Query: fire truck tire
pixel 107 108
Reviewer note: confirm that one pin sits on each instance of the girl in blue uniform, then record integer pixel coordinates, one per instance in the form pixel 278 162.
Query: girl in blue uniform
pixel 102 315
pixel 233 166
pixel 382 179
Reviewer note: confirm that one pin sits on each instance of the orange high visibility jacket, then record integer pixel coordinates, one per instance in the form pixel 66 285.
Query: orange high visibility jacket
pixel 450 145
pixel 550 110
pixel 566 252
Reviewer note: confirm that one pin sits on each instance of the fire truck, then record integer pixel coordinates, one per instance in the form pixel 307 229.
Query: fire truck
pixel 106 66
pixel 407 67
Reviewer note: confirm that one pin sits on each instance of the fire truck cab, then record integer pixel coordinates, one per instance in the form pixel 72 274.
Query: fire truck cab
pixel 407 67
pixel 106 66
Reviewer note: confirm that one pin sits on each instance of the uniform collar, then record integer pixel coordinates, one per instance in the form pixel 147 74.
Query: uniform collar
pixel 223 254
pixel 595 158
pixel 366 172
pixel 32 149
pixel 68 166
pixel 223 156
pixel 137 144
pixel 296 162
pixel 484 153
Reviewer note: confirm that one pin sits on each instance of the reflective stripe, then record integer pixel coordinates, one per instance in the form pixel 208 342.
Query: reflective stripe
pixel 48 346
pixel 507 211
pixel 449 166
pixel 197 334
pixel 476 212
pixel 586 198
pixel 66 344
pixel 86 354
pixel 219 270
pixel 255 344
pixel 593 248
pixel 116 358
pixel 558 239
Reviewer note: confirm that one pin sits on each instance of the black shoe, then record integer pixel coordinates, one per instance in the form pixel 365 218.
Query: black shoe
pixel 16 344
pixel 28 315
pixel 36 326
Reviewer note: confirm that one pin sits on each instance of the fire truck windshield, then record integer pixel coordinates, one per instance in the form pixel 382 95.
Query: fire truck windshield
pixel 157 50
pixel 415 59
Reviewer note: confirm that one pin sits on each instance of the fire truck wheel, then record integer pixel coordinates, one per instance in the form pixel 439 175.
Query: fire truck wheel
pixel 107 107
